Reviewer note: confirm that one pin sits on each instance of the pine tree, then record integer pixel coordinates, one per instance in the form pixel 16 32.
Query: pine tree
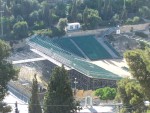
pixel 59 97
pixel 34 104
pixel 139 64
pixel 130 93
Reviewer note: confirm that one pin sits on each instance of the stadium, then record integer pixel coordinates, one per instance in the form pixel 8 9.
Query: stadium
pixel 78 54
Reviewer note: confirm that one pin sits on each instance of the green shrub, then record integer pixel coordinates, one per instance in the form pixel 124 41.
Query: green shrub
pixel 38 26
pixel 129 21
pixel 136 19
pixel 56 32
pixel 48 32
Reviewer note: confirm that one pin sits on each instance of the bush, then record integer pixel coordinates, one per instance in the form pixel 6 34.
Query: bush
pixel 46 32
pixel 106 93
pixel 136 19
pixel 141 34
pixel 129 21
pixel 56 32
pixel 143 45
pixel 38 26
pixel 20 29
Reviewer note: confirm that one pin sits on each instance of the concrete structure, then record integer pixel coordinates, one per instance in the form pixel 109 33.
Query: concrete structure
pixel 73 26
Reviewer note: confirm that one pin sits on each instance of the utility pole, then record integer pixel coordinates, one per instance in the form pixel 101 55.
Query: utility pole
pixel 16 107
pixel 75 82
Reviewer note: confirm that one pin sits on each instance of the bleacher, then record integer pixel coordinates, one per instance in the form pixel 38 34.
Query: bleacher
pixel 112 48
pixel 66 44
pixel 46 46
pixel 92 70
pixel 91 47
pixel 81 46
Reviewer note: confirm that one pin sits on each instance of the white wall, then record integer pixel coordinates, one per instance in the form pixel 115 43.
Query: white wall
pixel 73 26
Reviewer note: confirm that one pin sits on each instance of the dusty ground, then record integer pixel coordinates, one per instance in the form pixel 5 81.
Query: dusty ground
pixel 27 74
pixel 127 28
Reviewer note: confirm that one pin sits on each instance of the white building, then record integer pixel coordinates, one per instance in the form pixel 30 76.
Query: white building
pixel 97 109
pixel 73 26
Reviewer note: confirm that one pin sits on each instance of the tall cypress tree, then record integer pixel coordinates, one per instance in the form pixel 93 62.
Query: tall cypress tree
pixel 74 11
pixel 34 104
pixel 59 97
pixel 85 16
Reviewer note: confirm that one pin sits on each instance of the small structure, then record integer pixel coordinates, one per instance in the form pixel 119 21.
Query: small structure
pixel 118 30
pixel 73 26
pixel 97 109
pixel 88 101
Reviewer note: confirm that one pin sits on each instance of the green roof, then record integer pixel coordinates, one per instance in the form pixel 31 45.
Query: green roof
pixel 78 63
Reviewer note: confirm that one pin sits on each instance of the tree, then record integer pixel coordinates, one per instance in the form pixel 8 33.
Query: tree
pixel 85 16
pixel 115 19
pixel 33 17
pixel 62 23
pixel 106 93
pixel 59 96
pixel 21 29
pixel 136 19
pixel 123 15
pixel 143 45
pixel 107 10
pixel 139 64
pixel 130 93
pixel 47 12
pixel 74 11
pixel 91 18
pixel 79 17
pixel 61 10
pixel 144 12
pixel 34 104
pixel 7 72
pixel 4 108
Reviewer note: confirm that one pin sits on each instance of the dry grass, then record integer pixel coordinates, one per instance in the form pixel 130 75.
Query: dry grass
pixel 27 73
pixel 127 28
